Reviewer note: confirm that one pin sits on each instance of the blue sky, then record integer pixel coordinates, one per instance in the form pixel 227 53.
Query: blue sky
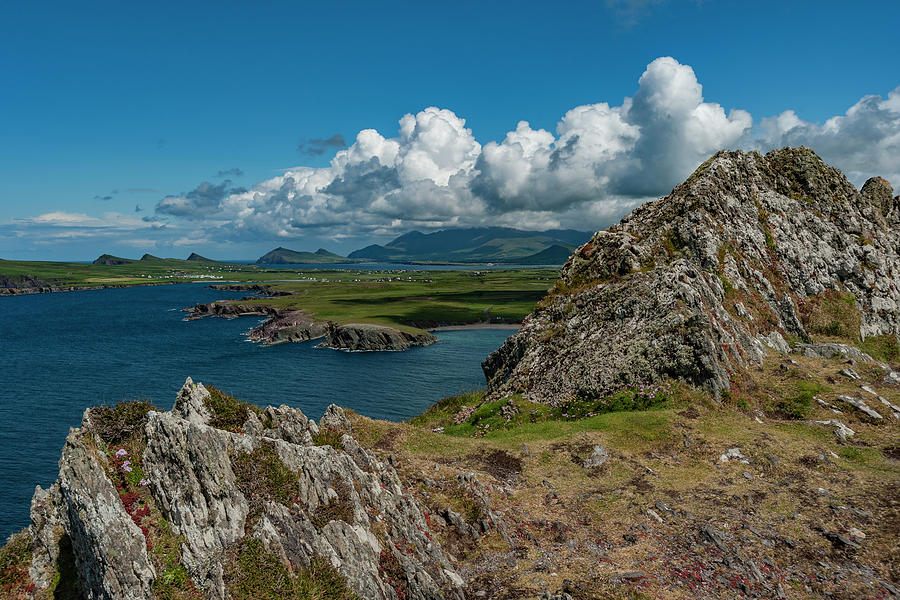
pixel 203 115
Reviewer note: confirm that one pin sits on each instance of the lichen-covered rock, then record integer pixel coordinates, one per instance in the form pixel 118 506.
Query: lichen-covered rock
pixel 342 504
pixel 694 285
pixel 46 528
pixel 191 403
pixel 365 337
pixel 289 424
pixel 334 418
pixel 832 350
pixel 110 550
pixel 878 192
pixel 190 474
pixel 214 488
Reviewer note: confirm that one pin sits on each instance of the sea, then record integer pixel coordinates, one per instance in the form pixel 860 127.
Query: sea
pixel 61 353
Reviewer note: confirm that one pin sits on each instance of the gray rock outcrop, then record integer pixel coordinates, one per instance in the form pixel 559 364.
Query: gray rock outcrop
pixel 110 550
pixel 346 508
pixel 832 350
pixel 689 286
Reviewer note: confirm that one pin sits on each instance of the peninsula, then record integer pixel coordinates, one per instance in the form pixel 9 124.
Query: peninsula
pixel 383 310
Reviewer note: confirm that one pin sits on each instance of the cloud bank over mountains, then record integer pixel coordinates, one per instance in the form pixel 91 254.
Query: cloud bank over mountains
pixel 599 162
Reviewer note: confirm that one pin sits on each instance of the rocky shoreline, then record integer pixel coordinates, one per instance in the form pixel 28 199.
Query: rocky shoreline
pixel 285 325
pixel 46 288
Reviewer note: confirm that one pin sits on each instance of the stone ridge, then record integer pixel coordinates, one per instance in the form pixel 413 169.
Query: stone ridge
pixel 348 508
pixel 698 284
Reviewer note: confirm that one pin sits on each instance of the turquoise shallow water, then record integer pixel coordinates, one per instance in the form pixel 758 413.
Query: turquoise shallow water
pixel 60 353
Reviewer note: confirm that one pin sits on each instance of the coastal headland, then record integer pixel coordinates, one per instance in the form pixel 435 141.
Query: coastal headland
pixel 362 311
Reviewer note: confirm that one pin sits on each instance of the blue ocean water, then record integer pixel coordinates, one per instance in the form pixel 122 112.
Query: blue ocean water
pixel 60 353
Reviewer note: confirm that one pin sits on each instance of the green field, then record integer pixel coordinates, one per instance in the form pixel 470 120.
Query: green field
pixel 414 299
pixel 65 274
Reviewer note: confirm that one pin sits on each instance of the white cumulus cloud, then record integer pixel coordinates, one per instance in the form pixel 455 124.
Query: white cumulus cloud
pixel 864 141
pixel 599 162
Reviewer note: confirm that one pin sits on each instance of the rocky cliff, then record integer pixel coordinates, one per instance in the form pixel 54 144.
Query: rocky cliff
pixel 365 337
pixel 207 499
pixel 750 252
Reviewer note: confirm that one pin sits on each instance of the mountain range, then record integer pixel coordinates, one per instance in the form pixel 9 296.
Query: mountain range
pixel 467 245
pixel 284 256
pixel 109 259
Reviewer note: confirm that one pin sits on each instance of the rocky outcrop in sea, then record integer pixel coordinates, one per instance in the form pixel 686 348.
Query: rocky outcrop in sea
pixel 365 337
pixel 750 252
pixel 289 325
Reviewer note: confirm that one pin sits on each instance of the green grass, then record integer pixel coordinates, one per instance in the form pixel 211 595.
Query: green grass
pixel 625 399
pixel 172 579
pixel 337 509
pixel 800 404
pixel 416 299
pixel 117 423
pixel 253 573
pixel 642 413
pixel 262 476
pixel 863 457
pixel 15 559
pixel 409 299
pixel 133 273
pixel 228 413
pixel 329 436
pixel 442 412
pixel 882 347
pixel 626 428
pixel 832 313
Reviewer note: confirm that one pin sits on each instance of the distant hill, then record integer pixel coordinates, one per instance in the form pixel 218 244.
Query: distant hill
pixel 554 255
pixel 284 256
pixel 479 244
pixel 109 259
pixel 197 258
